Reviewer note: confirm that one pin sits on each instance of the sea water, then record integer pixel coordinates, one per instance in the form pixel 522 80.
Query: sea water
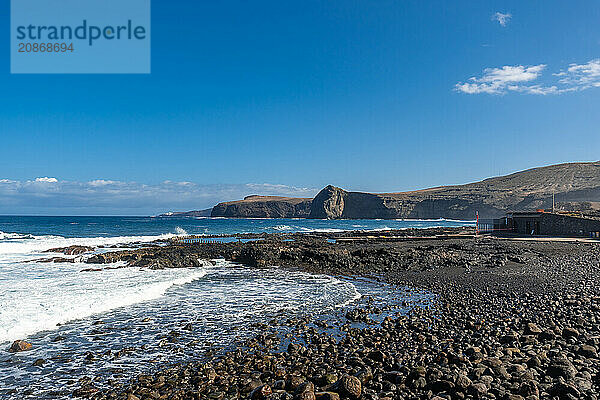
pixel 118 322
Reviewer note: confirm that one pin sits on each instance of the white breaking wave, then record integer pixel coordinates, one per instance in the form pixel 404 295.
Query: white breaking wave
pixel 323 230
pixel 180 231
pixel 43 297
pixel 355 295
pixel 38 296
pixel 282 228
pixel 36 244
pixel 12 236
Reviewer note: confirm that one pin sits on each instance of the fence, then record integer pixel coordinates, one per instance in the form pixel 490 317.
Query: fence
pixel 492 225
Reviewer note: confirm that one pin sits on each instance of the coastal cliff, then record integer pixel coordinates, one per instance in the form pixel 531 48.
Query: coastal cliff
pixel 264 207
pixel 575 186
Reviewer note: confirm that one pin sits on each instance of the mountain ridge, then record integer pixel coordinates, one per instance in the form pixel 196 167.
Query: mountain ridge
pixel 576 186
pixel 492 197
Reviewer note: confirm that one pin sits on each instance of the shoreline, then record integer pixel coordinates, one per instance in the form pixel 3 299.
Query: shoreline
pixel 520 325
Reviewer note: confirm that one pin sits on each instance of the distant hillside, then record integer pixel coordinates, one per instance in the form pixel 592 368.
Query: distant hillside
pixel 199 213
pixel 264 207
pixel 575 184
pixel 576 187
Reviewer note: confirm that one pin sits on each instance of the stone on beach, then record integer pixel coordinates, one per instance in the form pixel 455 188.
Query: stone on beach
pixel 20 345
pixel 71 250
pixel 348 386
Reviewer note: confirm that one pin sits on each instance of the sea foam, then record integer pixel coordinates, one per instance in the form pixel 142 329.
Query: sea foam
pixel 38 296
pixel 28 244
pixel 44 297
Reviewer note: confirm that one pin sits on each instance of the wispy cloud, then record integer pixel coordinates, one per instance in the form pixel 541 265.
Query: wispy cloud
pixel 102 182
pixel 499 80
pixel 502 18
pixel 525 79
pixel 581 76
pixel 105 197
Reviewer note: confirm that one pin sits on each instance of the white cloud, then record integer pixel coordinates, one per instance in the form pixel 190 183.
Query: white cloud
pixel 534 89
pixel 105 197
pixel 275 188
pixel 46 179
pixel 499 80
pixel 102 182
pixel 521 79
pixel 502 18
pixel 581 76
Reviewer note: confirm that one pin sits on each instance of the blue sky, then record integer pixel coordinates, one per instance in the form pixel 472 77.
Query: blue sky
pixel 366 95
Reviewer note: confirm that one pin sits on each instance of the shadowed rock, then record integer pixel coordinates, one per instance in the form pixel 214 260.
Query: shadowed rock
pixel 20 345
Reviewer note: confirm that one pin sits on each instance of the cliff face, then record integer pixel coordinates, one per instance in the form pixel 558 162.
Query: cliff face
pixel 356 205
pixel 330 203
pixel 264 207
pixel 576 187
pixel 575 184
pixel 333 203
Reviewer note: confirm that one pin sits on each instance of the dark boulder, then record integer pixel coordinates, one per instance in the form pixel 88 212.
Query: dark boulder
pixel 71 250
pixel 348 386
pixel 20 345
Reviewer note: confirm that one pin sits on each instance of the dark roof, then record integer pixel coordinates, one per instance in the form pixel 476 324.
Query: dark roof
pixel 533 214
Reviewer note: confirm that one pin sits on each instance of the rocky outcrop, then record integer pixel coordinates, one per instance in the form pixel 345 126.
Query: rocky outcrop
pixel 151 258
pixel 328 203
pixel 71 250
pixel 19 345
pixel 264 207
pixel 336 203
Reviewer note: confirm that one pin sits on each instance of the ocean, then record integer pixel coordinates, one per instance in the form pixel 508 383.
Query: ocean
pixel 117 323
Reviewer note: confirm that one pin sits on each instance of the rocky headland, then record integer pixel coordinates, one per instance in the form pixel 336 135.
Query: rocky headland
pixel 264 207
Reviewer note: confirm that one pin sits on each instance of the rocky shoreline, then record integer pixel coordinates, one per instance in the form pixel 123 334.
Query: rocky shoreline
pixel 512 320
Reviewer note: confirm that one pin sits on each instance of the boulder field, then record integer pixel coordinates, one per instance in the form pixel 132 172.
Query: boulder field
pixel 511 320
